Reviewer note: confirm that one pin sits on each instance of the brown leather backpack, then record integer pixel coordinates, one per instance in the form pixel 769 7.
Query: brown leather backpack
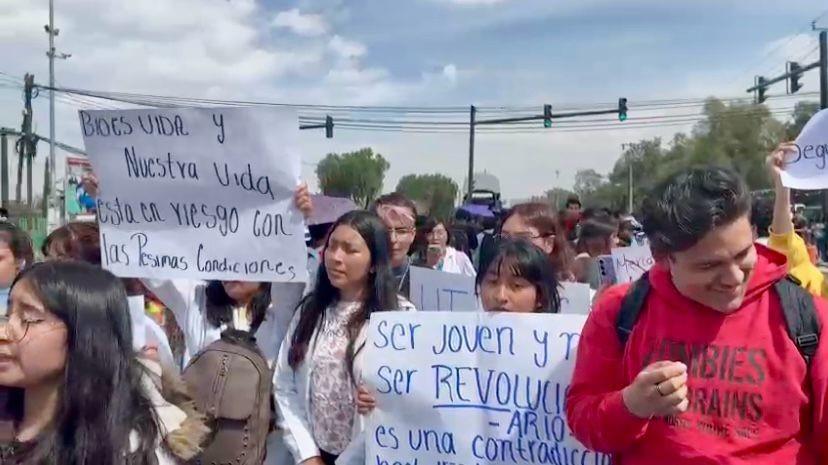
pixel 231 383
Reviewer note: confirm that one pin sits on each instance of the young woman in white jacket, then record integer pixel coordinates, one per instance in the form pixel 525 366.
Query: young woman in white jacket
pixel 320 364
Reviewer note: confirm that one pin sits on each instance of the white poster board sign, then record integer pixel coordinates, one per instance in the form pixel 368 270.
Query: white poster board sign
pixel 204 193
pixel 575 298
pixel 631 263
pixel 465 388
pixel 433 290
pixel 806 168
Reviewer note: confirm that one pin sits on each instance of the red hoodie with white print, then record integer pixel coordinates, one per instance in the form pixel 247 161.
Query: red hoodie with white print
pixel 752 397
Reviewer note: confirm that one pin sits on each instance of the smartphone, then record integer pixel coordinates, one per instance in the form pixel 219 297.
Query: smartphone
pixel 606 265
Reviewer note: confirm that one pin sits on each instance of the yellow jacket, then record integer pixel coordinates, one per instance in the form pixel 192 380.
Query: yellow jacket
pixel 799 263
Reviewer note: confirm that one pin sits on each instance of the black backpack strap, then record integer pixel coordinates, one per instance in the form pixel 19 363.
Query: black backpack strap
pixel 631 307
pixel 800 316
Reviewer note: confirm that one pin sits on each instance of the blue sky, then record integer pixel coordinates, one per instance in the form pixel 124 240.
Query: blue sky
pixel 417 52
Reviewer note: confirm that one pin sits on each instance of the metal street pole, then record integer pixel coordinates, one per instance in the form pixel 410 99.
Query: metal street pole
pixel 629 164
pixel 472 114
pixel 823 69
pixel 50 195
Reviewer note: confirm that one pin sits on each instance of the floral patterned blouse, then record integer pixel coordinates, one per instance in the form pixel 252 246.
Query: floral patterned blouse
pixel 332 398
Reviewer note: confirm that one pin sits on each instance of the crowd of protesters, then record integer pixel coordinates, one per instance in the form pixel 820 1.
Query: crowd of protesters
pixel 713 356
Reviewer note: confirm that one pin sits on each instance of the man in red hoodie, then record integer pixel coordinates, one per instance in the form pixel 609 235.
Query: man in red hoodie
pixel 709 373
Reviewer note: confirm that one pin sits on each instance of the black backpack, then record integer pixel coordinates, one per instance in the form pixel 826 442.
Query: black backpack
pixel 797 304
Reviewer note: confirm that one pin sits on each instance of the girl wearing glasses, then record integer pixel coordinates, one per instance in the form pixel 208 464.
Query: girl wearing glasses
pixel 78 393
pixel 537 223
pixel 440 255
pixel 399 214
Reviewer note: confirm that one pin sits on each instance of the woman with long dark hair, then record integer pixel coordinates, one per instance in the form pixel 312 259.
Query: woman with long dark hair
pixel 80 396
pixel 537 223
pixel 80 240
pixel 519 278
pixel 320 363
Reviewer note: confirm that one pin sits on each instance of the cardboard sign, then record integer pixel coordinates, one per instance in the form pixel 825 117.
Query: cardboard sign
pixel 575 298
pixel 433 290
pixel 201 193
pixel 806 168
pixel 466 388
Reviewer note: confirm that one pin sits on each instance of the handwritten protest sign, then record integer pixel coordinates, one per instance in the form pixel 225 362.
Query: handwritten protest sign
pixel 433 290
pixel 472 388
pixel 575 298
pixel 806 168
pixel 198 193
pixel 631 263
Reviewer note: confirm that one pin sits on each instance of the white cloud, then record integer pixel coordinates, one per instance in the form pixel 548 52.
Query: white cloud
pixel 308 25
pixel 450 72
pixel 346 48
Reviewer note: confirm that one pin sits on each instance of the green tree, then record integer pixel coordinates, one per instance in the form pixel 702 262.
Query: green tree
pixel 803 111
pixel 356 175
pixel 556 197
pixel 734 135
pixel 436 192
pixel 738 136
pixel 587 182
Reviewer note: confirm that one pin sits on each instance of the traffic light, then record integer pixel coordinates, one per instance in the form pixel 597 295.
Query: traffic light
pixel 622 109
pixel 547 115
pixel 329 127
pixel 760 92
pixel 795 72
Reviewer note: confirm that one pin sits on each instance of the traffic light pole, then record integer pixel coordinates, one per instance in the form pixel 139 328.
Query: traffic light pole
pixel 795 72
pixel 621 111
pixel 328 126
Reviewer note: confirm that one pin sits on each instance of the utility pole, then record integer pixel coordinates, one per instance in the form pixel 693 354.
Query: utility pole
pixel 4 168
pixel 50 168
pixel 48 194
pixel 26 143
pixel 823 68
pixel 630 194
pixel 629 147
pixel 472 124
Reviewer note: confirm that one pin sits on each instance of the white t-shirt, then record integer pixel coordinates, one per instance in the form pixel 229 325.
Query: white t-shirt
pixel 457 262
